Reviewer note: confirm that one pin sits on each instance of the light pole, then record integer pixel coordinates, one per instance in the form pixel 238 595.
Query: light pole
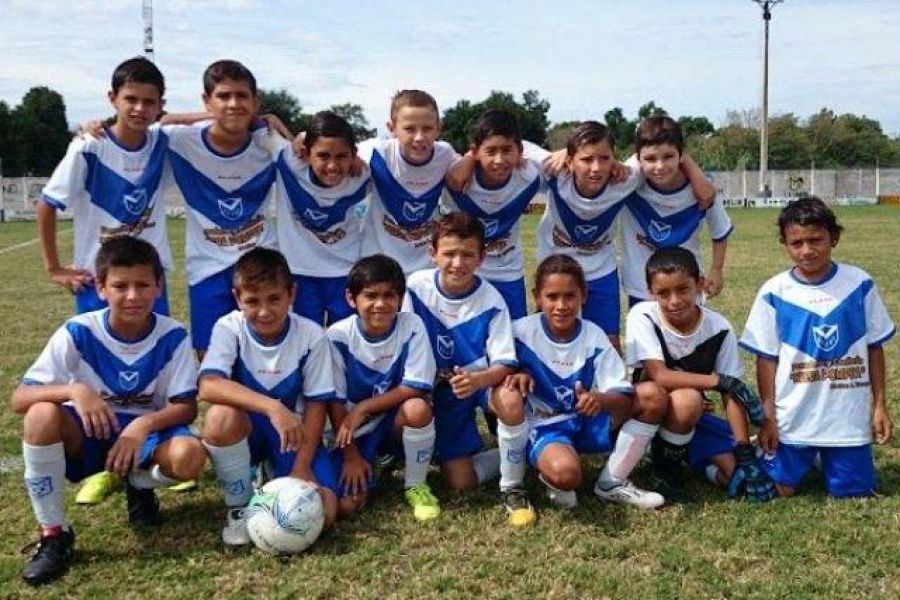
pixel 764 189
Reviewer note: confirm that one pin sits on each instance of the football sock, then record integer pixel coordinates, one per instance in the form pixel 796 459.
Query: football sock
pixel 418 444
pixel 712 474
pixel 486 464
pixel 45 478
pixel 232 465
pixel 676 439
pixel 152 478
pixel 512 440
pixel 632 441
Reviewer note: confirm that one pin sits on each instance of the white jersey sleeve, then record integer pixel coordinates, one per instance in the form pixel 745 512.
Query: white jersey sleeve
pixel 56 363
pixel 760 334
pixel 222 352
pixel 609 373
pixel 879 327
pixel 180 373
pixel 67 183
pixel 501 349
pixel 419 371
pixel 728 361
pixel 641 341
pixel 318 382
pixel 717 220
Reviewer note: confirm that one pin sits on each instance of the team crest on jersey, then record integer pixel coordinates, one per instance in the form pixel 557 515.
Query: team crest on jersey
pixel 445 346
pixel 586 231
pixel 564 395
pixel 491 227
pixel 128 380
pixel 316 217
pixel 136 201
pixel 380 388
pixel 231 208
pixel 825 336
pixel 659 231
pixel 39 487
pixel 414 211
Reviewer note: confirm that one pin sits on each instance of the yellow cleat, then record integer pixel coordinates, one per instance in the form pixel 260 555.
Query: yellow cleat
pixel 183 486
pixel 519 511
pixel 97 487
pixel 424 504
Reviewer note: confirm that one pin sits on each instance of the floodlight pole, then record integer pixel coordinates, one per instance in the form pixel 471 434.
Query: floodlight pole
pixel 764 189
pixel 147 18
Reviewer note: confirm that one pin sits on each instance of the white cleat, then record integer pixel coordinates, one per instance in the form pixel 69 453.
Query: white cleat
pixel 565 499
pixel 235 531
pixel 630 494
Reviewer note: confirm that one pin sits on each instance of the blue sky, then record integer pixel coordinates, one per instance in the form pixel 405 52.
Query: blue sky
pixel 697 57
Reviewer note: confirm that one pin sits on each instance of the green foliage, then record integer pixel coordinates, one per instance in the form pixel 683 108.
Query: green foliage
pixel 458 120
pixel 286 107
pixel 354 115
pixel 34 135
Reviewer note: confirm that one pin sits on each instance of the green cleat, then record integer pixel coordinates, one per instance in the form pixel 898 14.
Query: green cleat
pixel 424 504
pixel 183 486
pixel 97 487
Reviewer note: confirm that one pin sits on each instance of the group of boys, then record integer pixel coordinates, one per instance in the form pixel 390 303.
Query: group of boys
pixel 116 386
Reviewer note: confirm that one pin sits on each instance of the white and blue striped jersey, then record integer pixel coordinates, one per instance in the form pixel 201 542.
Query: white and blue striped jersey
pixel 113 191
pixel 295 368
pixel 820 335
pixel 133 376
pixel 403 203
pixel 555 367
pixel 319 228
pixel 366 367
pixel 500 210
pixel 227 198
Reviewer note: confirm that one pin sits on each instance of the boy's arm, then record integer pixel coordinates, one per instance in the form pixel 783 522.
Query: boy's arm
pixel 737 420
pixel 881 421
pixel 715 279
pixel 765 382
pixel 460 173
pixel 348 422
pixel 704 191
pixel 466 383
pixel 71 279
pixel 670 379
pixel 98 419
pixel 314 415
pixel 125 454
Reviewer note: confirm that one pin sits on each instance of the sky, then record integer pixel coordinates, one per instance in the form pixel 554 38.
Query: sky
pixel 692 57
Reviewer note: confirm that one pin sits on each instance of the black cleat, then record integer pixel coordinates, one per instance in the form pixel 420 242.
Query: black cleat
pixel 666 472
pixel 51 559
pixel 143 507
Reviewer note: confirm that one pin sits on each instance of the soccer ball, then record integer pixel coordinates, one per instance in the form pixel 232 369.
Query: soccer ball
pixel 285 516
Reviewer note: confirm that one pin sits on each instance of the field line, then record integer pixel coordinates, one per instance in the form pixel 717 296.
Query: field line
pixel 29 242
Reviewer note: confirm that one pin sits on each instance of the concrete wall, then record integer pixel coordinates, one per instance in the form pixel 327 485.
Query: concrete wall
pixel 827 184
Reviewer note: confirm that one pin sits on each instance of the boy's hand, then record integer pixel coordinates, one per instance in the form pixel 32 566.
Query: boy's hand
pixel 357 165
pixel 97 418
pixel 356 472
pixel 305 473
pixel 73 280
pixel 587 402
pixel 464 383
pixel 299 147
pixel 354 419
pixel 619 173
pixel 882 427
pixel 555 163
pixel 289 426
pixel 748 478
pixel 460 173
pixel 125 454
pixel 93 128
pixel 273 123
pixel 768 436
pixel 521 382
pixel 715 279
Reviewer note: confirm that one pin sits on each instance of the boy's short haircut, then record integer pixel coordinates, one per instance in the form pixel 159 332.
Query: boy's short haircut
pixel 127 251
pixel 138 70
pixel 560 264
pixel 496 121
pixel 809 211
pixel 375 269
pixel 672 260
pixel 329 124
pixel 221 70
pixel 589 132
pixel 259 267
pixel 654 131
pixel 414 98
pixel 459 224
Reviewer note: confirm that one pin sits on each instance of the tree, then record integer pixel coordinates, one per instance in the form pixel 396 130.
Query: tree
pixel 559 133
pixel 354 115
pixel 650 109
pixel 621 128
pixel 39 133
pixel 5 132
pixel 531 113
pixel 286 107
pixel 691 126
pixel 789 146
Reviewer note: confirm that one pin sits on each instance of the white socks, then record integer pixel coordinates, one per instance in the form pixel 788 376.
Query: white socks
pixel 418 444
pixel 512 440
pixel 232 465
pixel 676 439
pixel 486 464
pixel 149 479
pixel 632 442
pixel 45 479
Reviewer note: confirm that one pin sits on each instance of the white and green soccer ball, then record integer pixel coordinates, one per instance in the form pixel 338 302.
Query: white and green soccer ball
pixel 285 516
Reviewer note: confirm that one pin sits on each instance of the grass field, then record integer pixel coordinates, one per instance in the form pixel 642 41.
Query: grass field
pixel 806 547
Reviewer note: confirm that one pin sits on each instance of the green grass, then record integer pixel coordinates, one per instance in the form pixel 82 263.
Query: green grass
pixel 805 547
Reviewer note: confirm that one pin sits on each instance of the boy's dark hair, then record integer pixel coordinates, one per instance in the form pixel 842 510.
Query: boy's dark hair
pixel 459 224
pixel 375 269
pixel 654 131
pixel 221 70
pixel 809 211
pixel 496 121
pixel 126 251
pixel 559 264
pixel 414 98
pixel 259 267
pixel 672 260
pixel 589 132
pixel 329 124
pixel 138 70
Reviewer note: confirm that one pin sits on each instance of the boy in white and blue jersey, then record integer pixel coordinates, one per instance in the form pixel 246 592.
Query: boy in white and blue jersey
pixel 408 171
pixel 113 389
pixel 818 331
pixel 669 208
pixel 470 333
pixel 318 221
pixel 499 191
pixel 578 401
pixel 112 184
pixel 267 376
pixel 384 371
pixel 225 172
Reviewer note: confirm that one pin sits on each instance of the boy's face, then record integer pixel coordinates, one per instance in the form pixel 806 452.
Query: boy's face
pixel 137 105
pixel 809 247
pixel 560 299
pixel 676 294
pixel 457 259
pixel 377 306
pixel 266 308
pixel 590 167
pixel 232 105
pixel 498 156
pixel 661 165
pixel 130 292
pixel 330 159
pixel 416 129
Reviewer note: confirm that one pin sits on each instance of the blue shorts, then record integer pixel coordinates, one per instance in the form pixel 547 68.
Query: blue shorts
pixel 87 300
pixel 454 423
pixel 513 293
pixel 712 436
pixel 587 435
pixel 321 299
pixel 603 305
pixel 265 445
pixel 369 446
pixel 210 299
pixel 849 471
pixel 94 451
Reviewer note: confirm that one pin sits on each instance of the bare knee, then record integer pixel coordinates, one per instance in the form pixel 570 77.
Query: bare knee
pixel 225 425
pixel 561 469
pixel 652 402
pixel 184 459
pixel 416 413
pixel 459 476
pixel 508 405
pixel 685 409
pixel 43 424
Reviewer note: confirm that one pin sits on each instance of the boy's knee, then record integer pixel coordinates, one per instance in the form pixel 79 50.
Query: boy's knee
pixel 225 425
pixel 508 405
pixel 562 474
pixel 43 424
pixel 187 458
pixel 686 405
pixel 652 401
pixel 416 413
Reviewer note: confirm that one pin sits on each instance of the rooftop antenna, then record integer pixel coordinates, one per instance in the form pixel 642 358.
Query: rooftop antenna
pixel 147 14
